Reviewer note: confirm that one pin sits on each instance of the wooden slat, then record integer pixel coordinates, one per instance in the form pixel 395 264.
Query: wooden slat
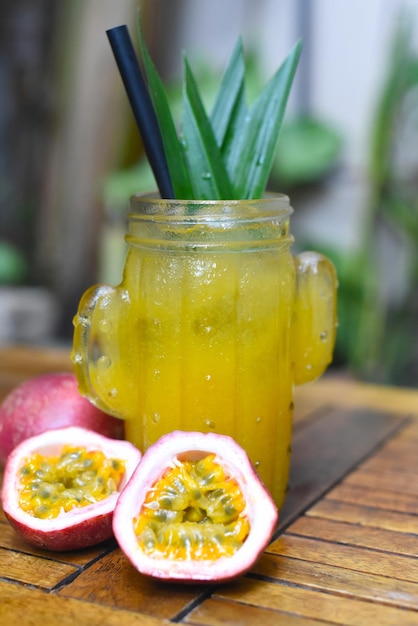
pixel 392 462
pixel 356 535
pixel 325 449
pixel 26 568
pixel 395 458
pixel 410 432
pixel 221 612
pixel 340 390
pixel 22 606
pixel 19 363
pixel 402 482
pixel 315 605
pixel 378 498
pixel 114 582
pixel 365 516
pixel 404 446
pixel 34 361
pixel 338 581
pixel 353 558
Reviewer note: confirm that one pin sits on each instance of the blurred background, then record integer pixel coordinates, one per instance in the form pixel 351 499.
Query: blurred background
pixel 70 153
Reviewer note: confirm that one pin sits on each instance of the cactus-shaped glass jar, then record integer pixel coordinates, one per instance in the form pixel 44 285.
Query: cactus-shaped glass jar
pixel 213 324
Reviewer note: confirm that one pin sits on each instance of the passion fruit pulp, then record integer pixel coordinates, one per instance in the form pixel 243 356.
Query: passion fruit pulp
pixel 60 488
pixel 194 510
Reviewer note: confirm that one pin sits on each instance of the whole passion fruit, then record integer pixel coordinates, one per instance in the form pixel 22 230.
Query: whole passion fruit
pixel 60 488
pixel 47 402
pixel 194 510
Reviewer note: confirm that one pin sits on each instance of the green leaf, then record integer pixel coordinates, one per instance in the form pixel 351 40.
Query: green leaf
pixel 251 139
pixel 173 149
pixel 234 146
pixel 207 171
pixel 230 154
pixel 229 93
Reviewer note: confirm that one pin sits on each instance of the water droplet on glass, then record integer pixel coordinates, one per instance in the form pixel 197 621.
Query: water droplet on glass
pixel 155 418
pixel 103 362
pixel 209 423
pixel 323 335
pixel 206 175
pixel 105 326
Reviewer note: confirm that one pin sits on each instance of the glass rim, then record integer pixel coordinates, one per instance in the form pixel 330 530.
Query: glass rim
pixel 153 206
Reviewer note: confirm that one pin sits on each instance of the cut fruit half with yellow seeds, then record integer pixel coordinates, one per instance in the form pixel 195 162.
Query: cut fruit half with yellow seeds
pixel 60 488
pixel 194 510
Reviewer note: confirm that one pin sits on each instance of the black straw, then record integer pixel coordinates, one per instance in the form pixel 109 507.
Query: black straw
pixel 142 107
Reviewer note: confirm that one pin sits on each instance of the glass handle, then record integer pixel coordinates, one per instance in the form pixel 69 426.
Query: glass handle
pixel 314 316
pixel 93 344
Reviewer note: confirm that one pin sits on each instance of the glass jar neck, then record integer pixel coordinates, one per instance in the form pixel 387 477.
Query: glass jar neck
pixel 210 224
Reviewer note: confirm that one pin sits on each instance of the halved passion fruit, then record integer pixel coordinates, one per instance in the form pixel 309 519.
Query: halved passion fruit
pixel 60 488
pixel 194 510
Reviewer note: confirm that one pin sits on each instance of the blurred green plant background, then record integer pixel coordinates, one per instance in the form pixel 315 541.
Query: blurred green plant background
pixel 378 282
pixel 79 150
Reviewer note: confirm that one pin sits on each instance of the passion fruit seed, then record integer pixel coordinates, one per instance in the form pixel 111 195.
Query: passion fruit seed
pixel 194 511
pixel 75 478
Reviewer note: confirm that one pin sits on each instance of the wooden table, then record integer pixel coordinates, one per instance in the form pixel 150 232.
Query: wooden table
pixel 345 552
